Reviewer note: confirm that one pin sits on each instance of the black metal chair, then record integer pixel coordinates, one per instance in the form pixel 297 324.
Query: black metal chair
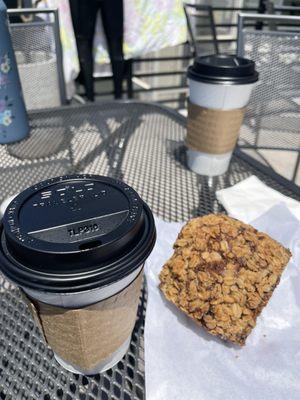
pixel 38 53
pixel 272 119
pixel 194 14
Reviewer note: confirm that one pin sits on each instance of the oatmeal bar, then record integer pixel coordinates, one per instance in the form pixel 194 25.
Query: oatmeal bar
pixel 222 273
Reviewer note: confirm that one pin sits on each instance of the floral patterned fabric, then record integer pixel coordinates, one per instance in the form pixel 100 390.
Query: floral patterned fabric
pixel 149 25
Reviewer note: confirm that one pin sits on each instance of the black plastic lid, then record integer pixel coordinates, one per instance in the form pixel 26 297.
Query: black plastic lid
pixel 75 233
pixel 223 69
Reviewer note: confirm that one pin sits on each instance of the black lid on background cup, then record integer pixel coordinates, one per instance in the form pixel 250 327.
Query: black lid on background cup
pixel 75 233
pixel 223 69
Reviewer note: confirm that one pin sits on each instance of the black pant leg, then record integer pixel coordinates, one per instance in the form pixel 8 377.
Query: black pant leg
pixel 84 14
pixel 112 18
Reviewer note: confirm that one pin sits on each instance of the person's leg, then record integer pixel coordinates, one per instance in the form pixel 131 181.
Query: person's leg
pixel 84 14
pixel 112 18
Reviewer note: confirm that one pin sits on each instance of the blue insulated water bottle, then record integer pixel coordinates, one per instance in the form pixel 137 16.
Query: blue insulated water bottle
pixel 13 117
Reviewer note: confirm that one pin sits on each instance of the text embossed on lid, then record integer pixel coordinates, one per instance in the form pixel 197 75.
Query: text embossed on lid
pixel 85 210
pixel 81 224
pixel 73 210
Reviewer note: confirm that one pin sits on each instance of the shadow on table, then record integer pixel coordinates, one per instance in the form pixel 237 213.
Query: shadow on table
pixel 207 202
pixel 177 150
pixel 114 147
pixel 208 186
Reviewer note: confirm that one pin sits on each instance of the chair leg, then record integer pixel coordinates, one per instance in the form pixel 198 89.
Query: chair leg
pixel 128 73
pixel 296 168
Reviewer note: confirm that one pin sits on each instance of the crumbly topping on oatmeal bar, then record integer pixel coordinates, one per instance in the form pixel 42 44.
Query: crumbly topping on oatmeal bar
pixel 222 274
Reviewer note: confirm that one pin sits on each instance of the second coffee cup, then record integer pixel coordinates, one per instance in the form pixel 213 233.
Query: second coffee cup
pixel 219 90
pixel 76 246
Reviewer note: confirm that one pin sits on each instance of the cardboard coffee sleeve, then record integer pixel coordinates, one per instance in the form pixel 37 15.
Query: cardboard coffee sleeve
pixel 213 131
pixel 86 336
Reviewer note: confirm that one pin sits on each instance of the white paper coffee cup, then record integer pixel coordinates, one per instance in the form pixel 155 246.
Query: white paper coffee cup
pixel 76 246
pixel 221 83
pixel 219 97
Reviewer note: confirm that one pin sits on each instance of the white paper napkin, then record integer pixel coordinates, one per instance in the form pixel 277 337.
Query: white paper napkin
pixel 251 198
pixel 184 362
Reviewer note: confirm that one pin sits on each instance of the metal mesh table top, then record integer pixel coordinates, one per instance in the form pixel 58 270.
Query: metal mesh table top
pixel 143 144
